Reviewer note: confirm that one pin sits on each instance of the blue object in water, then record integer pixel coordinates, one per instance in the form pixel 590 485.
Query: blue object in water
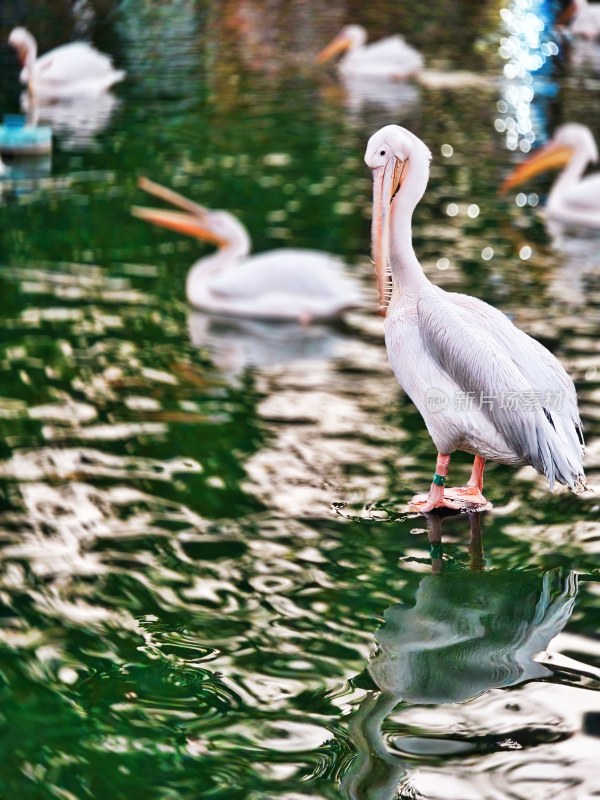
pixel 17 138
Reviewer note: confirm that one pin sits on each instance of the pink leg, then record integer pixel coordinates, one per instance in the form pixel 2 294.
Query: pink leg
pixel 476 478
pixel 472 492
pixel 458 498
pixel 435 498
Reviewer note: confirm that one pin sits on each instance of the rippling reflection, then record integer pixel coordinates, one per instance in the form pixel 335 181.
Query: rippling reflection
pixel 397 98
pixel 236 344
pixel 78 121
pixel 585 56
pixel 467 633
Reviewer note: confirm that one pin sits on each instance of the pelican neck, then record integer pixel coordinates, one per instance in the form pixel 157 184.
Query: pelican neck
pixel 570 176
pixel 407 273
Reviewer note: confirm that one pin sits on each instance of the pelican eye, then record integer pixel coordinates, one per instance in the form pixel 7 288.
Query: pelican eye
pixel 382 153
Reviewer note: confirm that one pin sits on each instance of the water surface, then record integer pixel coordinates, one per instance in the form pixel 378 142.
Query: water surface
pixel 209 583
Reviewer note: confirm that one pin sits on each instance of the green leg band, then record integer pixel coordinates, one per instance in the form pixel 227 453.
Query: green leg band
pixel 439 480
pixel 436 550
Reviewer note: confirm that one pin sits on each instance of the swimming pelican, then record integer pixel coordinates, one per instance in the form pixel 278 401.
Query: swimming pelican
pixel 481 385
pixel 391 58
pixel 573 199
pixel 583 19
pixel 71 70
pixel 284 284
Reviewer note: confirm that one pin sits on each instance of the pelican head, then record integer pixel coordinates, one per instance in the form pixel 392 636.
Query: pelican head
pixel 568 140
pixel 348 38
pixel 24 43
pixel 217 227
pixel 392 153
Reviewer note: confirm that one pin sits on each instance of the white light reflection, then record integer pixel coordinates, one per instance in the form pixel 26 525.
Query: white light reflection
pixel 525 252
pixel 526 47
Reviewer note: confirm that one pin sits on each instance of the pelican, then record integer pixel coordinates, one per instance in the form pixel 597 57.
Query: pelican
pixel 390 59
pixel 481 385
pixel 573 199
pixel 71 70
pixel 288 284
pixel 583 19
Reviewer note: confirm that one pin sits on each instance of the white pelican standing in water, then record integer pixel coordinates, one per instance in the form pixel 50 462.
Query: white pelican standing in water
pixel 72 70
pixel 481 385
pixel 286 284
pixel 583 19
pixel 391 58
pixel 573 199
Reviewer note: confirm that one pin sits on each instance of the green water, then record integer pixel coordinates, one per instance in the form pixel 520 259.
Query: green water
pixel 209 586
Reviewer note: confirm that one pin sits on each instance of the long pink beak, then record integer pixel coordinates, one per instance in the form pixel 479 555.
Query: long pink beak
pixel 386 181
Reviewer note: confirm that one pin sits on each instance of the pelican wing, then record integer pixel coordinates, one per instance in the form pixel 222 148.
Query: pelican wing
pixel 297 273
pixel 544 372
pixel 392 48
pixel 542 369
pixel 73 62
pixel 477 364
pixel 389 56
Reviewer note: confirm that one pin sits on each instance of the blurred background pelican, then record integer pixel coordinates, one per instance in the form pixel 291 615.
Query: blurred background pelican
pixel 285 284
pixel 574 198
pixel 72 70
pixel 583 19
pixel 390 59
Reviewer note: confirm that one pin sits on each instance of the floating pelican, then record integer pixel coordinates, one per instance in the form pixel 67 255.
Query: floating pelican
pixel 285 284
pixel 583 19
pixel 481 385
pixel 69 71
pixel 391 58
pixel 573 200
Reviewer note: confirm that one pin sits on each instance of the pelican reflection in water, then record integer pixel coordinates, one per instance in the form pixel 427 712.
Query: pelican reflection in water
pixel 236 343
pixel 469 631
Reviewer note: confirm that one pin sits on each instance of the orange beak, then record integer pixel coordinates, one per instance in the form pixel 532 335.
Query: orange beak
pixel 178 221
pixel 337 45
pixel 22 54
pixel 386 182
pixel 194 220
pixel 552 156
